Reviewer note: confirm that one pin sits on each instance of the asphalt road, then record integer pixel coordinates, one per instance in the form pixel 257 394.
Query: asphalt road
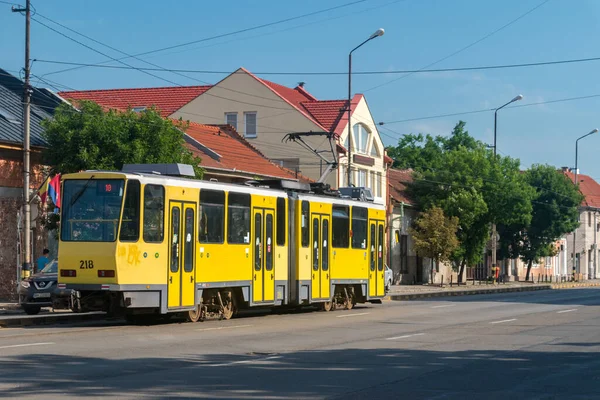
pixel 534 345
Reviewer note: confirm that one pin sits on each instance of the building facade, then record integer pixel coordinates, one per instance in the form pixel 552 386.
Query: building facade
pixel 265 113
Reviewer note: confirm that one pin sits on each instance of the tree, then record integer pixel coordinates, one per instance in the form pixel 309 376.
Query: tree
pixel 434 235
pixel 90 138
pixel 555 213
pixel 467 181
pixel 421 152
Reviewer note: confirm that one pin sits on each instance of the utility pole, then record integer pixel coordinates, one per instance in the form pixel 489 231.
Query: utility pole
pixel 25 272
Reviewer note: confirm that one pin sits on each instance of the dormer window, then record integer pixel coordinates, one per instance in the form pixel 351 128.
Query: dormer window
pixel 139 109
pixel 361 138
pixel 374 150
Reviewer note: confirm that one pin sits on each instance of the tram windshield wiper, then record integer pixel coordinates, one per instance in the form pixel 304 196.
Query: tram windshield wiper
pixel 81 191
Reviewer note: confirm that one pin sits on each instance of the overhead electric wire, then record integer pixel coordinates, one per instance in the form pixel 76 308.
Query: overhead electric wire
pixel 463 48
pixel 330 73
pixel 489 109
pixel 366 10
pixel 233 32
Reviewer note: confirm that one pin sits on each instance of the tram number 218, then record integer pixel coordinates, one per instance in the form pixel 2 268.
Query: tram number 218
pixel 86 264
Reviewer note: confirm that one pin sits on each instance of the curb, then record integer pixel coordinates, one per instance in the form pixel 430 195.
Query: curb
pixel 415 296
pixel 51 319
pixel 556 286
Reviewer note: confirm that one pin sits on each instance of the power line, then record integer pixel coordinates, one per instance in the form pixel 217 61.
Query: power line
pixel 234 32
pixel 490 109
pixel 330 73
pixel 363 11
pixel 463 48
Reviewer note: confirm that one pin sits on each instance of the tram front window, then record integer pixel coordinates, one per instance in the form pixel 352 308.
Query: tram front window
pixel 91 209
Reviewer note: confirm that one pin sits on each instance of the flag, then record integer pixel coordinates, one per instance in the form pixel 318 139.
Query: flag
pixel 54 190
pixel 43 190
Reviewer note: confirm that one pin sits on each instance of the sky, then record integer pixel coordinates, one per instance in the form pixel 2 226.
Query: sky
pixel 417 33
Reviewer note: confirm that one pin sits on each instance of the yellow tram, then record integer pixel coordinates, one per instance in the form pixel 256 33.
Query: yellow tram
pixel 149 240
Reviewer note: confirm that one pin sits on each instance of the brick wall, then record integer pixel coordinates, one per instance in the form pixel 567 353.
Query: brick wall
pixel 11 176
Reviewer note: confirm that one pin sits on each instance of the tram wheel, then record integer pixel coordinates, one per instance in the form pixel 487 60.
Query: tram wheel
pixel 349 304
pixel 228 310
pixel 327 306
pixel 195 314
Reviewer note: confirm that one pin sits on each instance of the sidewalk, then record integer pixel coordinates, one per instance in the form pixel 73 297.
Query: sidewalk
pixel 410 292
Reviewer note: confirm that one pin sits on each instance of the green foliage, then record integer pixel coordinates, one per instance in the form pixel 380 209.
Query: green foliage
pixel 434 235
pixel 554 213
pixel 90 138
pixel 461 176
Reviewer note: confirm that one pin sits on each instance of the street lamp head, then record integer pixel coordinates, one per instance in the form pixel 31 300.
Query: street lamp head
pixel 378 32
pixel 519 97
pixel 594 131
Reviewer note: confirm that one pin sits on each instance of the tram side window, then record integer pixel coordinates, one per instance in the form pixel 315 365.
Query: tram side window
pixel 359 228
pixel 130 224
pixel 212 216
pixel 154 213
pixel 305 233
pixel 281 212
pixel 340 227
pixel 238 218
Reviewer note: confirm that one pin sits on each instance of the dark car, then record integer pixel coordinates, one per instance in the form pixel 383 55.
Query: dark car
pixel 38 290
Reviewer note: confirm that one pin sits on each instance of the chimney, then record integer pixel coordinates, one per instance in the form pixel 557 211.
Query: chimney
pixel 301 84
pixel 573 171
pixel 564 169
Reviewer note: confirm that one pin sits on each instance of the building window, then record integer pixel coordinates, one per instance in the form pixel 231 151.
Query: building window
pixel 362 178
pixel 378 185
pixel 130 224
pixel 359 228
pixel 238 218
pixel 361 138
pixel 374 150
pixel 304 223
pixel 373 182
pixel 250 124
pixel 281 215
pixel 154 213
pixel 212 216
pixel 340 227
pixel 346 144
pixel 231 119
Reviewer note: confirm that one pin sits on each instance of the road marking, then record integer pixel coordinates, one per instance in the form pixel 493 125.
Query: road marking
pixel 25 345
pixel 503 321
pixel 405 336
pixel 444 306
pixel 564 311
pixel 223 327
pixel 353 315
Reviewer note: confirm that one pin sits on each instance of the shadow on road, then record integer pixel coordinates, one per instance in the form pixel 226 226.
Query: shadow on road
pixel 386 373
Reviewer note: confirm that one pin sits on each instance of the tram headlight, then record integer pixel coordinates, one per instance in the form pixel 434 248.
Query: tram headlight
pixel 25 284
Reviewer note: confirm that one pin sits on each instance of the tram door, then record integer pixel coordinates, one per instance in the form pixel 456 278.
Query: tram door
pixel 263 284
pixel 181 276
pixel 376 269
pixel 320 257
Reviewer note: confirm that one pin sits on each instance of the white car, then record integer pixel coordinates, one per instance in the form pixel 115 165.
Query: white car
pixel 388 277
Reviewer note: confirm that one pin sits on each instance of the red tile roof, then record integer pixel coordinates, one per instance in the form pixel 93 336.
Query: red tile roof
pixel 588 187
pixel 166 99
pixel 397 180
pixel 327 114
pixel 233 152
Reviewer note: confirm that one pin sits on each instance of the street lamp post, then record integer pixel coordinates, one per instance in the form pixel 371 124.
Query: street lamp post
pixel 576 186
pixel 494 233
pixel 378 32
